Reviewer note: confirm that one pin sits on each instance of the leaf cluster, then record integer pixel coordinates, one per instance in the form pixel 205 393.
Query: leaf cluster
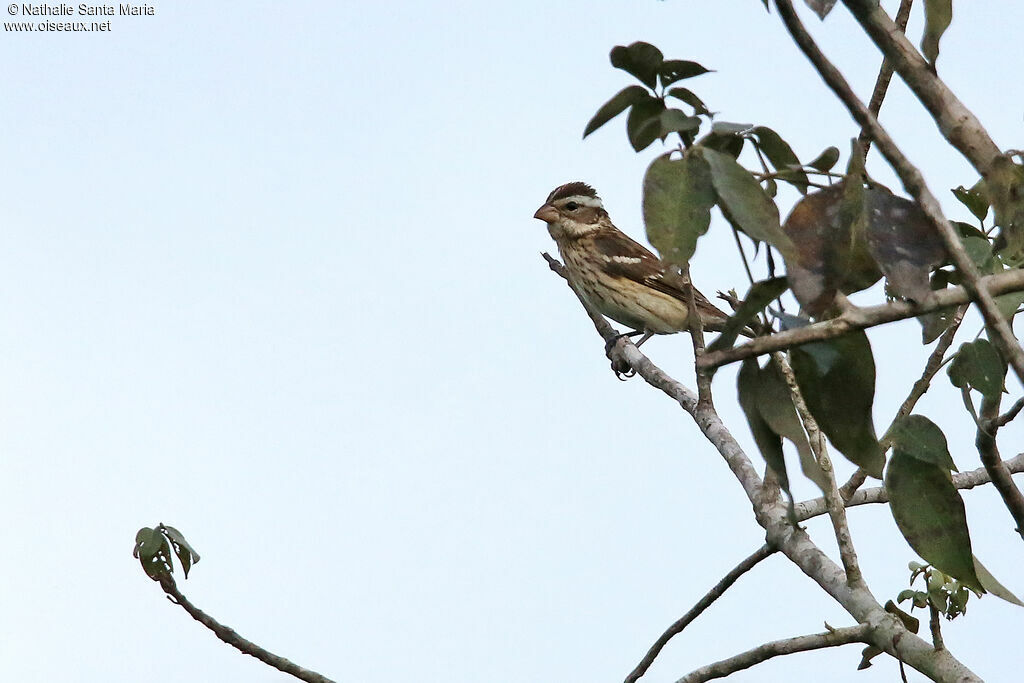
pixel 155 548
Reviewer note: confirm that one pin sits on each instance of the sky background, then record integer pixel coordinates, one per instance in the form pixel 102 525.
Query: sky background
pixel 270 275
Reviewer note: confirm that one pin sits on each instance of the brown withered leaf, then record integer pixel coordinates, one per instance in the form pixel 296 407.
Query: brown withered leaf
pixel 830 254
pixel 903 243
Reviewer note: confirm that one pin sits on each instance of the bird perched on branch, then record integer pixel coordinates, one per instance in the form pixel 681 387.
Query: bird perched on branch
pixel 617 276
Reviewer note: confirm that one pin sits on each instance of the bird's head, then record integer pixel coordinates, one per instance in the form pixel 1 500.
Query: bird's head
pixel 572 210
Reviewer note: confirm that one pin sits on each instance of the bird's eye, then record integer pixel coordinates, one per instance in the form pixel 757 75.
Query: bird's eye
pixel 572 206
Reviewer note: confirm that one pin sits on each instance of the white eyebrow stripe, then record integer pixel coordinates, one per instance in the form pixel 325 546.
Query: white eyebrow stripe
pixel 584 201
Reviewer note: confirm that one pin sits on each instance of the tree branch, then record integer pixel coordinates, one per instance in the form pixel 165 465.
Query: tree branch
pixel 745 660
pixel 964 480
pixel 884 77
pixel 886 632
pixel 913 182
pixel 856 318
pixel 955 121
pixel 229 636
pixel 994 465
pixel 695 611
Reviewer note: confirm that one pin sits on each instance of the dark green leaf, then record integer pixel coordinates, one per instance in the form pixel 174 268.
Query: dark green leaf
pixel 980 251
pixel 186 554
pixel 744 203
pixel 821 8
pixel 674 120
pixel 748 385
pixel 938 15
pixel 689 98
pixel 930 514
pixel 154 553
pixel 903 243
pixel 968 230
pixel 677 202
pixel 920 438
pixel 870 652
pixel 727 143
pixel 782 157
pixel 644 123
pixel 640 59
pixel 624 99
pixel 760 295
pixel 837 380
pixel 978 366
pixel 726 128
pixel 673 70
pixel 975 200
pixel 935 323
pixel 826 160
pixel 912 623
pixel 775 404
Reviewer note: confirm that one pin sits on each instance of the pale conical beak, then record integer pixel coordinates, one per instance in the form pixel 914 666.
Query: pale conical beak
pixel 547 213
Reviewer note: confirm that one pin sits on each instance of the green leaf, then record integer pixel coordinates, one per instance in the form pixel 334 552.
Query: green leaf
pixel 622 100
pixel 990 584
pixel 744 203
pixel 920 438
pixel 938 15
pixel 727 143
pixel 677 202
pixel 837 380
pixel 689 98
pixel 974 199
pixel 726 128
pixel 640 59
pixel 643 126
pixel 748 386
pixel 673 70
pixel 186 554
pixel 912 623
pixel 930 514
pixel 675 121
pixel 760 295
pixel 978 366
pixel 782 157
pixel 826 160
pixel 153 552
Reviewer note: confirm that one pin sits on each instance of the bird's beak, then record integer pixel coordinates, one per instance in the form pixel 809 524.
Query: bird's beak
pixel 547 213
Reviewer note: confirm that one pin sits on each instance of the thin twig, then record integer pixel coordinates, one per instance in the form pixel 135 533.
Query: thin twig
pixel 1010 414
pixel 834 503
pixel 815 507
pixel 935 626
pixel 957 123
pixel 718 591
pixel 704 397
pixel 856 318
pixel 989 452
pixel 884 77
pixel 761 653
pixel 999 329
pixel 229 636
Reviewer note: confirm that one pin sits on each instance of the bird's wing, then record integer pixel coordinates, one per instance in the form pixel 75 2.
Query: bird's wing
pixel 629 259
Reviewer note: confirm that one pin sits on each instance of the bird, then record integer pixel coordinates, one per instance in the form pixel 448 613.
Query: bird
pixel 618 277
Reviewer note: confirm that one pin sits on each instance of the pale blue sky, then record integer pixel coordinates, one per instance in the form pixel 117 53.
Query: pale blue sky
pixel 269 274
